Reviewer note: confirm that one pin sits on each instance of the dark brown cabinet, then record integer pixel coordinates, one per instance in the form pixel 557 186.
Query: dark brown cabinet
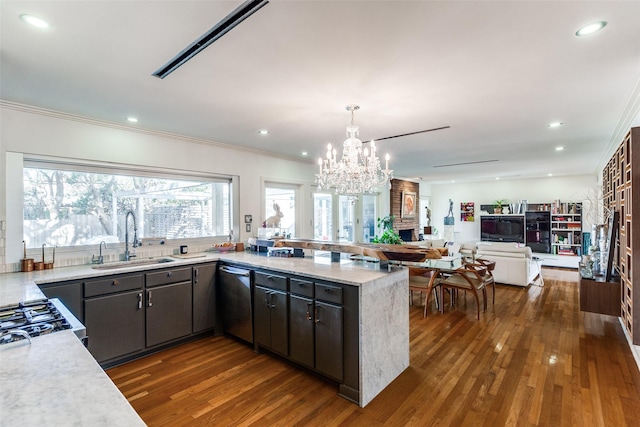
pixel 169 304
pixel 70 293
pixel 168 312
pixel 204 294
pixel 271 311
pixel 599 296
pixel 270 315
pixel 115 316
pixel 115 325
pixel 316 338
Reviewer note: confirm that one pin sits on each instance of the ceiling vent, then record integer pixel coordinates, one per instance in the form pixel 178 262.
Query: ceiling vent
pixel 466 163
pixel 241 13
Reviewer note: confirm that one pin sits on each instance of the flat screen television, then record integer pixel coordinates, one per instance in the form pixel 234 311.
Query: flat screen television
pixel 502 228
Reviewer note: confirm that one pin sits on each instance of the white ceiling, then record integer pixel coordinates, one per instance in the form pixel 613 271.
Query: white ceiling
pixel 496 72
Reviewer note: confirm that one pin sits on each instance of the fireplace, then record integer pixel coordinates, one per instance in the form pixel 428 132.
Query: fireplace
pixel 406 235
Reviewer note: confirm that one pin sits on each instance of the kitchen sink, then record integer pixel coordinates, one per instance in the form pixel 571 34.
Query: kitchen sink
pixel 132 263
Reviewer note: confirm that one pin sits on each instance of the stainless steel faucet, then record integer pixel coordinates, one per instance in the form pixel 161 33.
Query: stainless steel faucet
pixel 135 243
pixel 100 259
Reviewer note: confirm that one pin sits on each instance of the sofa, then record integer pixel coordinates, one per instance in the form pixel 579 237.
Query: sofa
pixel 514 262
pixel 467 249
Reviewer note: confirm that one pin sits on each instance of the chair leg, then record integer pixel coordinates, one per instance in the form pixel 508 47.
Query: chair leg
pixel 477 303
pixel 484 297
pixel 493 285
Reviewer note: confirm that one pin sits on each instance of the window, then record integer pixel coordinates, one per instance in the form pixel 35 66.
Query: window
pixel 280 208
pixel 77 207
pixel 348 222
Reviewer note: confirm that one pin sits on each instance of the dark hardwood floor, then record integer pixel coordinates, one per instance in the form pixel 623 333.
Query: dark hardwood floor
pixel 533 359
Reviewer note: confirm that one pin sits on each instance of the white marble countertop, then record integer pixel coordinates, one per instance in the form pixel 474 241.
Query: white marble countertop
pixel 354 273
pixel 56 382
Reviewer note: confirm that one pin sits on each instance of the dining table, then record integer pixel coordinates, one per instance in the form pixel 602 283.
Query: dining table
pixel 439 267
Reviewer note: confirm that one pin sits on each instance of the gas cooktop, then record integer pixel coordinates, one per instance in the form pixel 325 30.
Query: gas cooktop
pixel 31 319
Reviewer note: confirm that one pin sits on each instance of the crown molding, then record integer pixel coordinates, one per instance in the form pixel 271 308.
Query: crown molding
pixel 160 134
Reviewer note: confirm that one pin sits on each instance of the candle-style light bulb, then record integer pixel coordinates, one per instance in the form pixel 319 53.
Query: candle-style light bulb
pixel 386 166
pixel 320 165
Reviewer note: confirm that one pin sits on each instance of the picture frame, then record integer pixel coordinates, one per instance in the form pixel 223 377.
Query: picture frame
pixel 248 219
pixel 247 228
pixel 408 204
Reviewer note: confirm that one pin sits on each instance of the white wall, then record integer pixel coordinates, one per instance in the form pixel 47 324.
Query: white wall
pixel 28 131
pixel 541 190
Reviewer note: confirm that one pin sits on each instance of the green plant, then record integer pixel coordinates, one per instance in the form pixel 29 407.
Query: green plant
pixel 500 202
pixel 388 235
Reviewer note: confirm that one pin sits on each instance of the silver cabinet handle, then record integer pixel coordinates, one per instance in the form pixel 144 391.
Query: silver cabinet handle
pixel 169 273
pixel 316 315
pixel 149 299
pixel 272 304
pixel 236 272
pixel 309 310
pixel 140 301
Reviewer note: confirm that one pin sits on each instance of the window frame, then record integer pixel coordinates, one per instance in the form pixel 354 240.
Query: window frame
pixel 73 165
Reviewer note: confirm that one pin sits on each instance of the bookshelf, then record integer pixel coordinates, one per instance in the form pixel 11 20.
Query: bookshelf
pixel 566 229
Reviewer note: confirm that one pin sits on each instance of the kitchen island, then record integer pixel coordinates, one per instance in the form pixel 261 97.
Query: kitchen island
pixel 382 350
pixel 382 339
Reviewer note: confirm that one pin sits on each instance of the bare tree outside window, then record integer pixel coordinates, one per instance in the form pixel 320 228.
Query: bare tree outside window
pixel 68 208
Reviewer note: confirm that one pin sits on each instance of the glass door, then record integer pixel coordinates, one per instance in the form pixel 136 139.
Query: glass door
pixel 335 218
pixel 323 216
pixel 346 214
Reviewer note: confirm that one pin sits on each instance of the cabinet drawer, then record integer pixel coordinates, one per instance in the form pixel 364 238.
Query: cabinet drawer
pixel 271 281
pixel 329 293
pixel 165 277
pixel 112 285
pixel 302 287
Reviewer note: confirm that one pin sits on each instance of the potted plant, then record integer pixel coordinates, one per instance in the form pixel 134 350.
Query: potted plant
pixel 497 207
pixel 388 236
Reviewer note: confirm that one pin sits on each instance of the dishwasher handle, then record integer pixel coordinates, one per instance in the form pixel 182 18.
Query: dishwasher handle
pixel 235 272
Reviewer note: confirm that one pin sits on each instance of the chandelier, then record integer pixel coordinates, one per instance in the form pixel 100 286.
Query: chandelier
pixel 358 171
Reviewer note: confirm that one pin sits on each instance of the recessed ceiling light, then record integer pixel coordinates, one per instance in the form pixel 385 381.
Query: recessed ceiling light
pixel 591 28
pixel 263 132
pixel 555 124
pixel 497 178
pixel 559 148
pixel 304 153
pixel 34 20
pixel 549 174
pixel 453 181
pixel 132 119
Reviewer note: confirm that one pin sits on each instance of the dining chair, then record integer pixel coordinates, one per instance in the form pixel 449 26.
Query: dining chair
pixel 488 278
pixel 469 277
pixel 423 280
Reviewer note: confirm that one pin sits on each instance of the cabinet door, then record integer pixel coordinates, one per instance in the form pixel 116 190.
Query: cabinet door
pixel 279 326
pixel 329 344
pixel 115 325
pixel 204 302
pixel 262 316
pixel 301 326
pixel 169 310
pixel 271 327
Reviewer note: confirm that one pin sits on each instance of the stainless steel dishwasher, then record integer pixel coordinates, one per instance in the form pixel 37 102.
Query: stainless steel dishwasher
pixel 236 302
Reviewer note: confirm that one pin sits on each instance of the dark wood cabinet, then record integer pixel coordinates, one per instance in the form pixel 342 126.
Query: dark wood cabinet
pixel 204 297
pixel 329 340
pixel 271 309
pixel 302 337
pixel 114 315
pixel 169 309
pixel 316 338
pixel 600 296
pixel 115 324
pixel 70 293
